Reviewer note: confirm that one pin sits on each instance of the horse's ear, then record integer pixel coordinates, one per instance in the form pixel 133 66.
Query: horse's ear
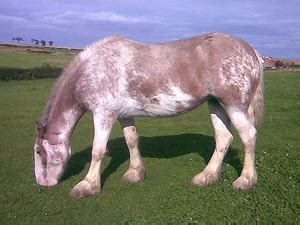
pixel 40 129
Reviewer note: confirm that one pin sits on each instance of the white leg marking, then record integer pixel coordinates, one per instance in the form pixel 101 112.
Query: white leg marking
pixel 223 137
pixel 91 185
pixel 247 132
pixel 136 171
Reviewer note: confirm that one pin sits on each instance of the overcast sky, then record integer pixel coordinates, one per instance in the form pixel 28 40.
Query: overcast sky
pixel 272 27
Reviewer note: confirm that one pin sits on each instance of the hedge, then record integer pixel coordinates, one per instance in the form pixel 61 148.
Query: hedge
pixel 7 74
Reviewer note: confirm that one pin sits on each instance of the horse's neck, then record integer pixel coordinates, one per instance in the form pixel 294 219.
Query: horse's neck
pixel 63 116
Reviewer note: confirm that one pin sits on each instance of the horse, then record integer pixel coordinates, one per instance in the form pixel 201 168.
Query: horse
pixel 119 79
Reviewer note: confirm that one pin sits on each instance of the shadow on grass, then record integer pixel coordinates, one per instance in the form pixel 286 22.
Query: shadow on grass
pixel 153 147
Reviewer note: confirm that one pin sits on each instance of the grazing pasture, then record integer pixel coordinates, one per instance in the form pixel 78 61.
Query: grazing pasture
pixel 174 150
pixel 24 62
pixel 30 57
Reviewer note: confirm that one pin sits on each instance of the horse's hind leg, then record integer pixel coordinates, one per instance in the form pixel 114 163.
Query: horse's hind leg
pixel 91 184
pixel 136 171
pixel 241 121
pixel 223 137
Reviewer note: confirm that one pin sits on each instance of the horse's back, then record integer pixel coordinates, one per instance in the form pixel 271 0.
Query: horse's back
pixel 167 78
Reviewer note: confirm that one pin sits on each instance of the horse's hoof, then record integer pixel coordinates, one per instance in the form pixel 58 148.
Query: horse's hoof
pixel 244 183
pixel 134 175
pixel 85 189
pixel 205 178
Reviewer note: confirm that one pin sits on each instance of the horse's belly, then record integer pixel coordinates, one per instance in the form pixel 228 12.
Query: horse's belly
pixel 162 104
pixel 167 108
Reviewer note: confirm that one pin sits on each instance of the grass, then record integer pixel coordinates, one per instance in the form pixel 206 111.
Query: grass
pixel 174 150
pixel 28 63
pixel 24 58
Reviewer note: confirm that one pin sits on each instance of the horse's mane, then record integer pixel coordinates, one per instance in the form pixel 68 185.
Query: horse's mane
pixel 64 78
pixel 47 110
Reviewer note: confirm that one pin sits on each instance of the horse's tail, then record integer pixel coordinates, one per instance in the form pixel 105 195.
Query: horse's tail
pixel 256 108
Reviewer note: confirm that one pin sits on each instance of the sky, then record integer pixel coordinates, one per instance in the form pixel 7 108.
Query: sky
pixel 272 27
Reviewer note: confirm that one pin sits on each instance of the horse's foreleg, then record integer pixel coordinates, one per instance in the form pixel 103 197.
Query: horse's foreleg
pixel 223 137
pixel 91 184
pixel 247 132
pixel 136 171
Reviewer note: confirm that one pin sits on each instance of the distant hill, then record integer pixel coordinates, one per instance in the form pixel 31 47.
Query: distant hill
pixel 275 63
pixel 289 61
pixel 25 45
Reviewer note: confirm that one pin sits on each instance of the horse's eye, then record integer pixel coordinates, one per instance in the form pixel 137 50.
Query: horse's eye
pixel 38 151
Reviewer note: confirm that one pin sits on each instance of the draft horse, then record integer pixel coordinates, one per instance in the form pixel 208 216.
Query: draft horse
pixel 119 79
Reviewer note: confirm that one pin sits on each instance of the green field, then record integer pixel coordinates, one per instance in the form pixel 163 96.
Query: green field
pixel 28 63
pixel 174 150
pixel 29 57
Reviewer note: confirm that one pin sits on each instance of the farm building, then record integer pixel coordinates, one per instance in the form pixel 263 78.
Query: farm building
pixel 269 63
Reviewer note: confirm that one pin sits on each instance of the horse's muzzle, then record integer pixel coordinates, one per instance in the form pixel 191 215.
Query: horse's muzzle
pixel 46 181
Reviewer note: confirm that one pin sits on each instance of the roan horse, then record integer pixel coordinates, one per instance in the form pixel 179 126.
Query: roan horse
pixel 117 78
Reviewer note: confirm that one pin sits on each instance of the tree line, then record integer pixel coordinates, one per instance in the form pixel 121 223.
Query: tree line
pixel 35 41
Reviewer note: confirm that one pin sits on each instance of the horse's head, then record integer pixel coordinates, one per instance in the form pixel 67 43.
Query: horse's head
pixel 51 154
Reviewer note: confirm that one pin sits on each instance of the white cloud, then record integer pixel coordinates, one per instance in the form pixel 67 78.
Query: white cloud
pixel 12 19
pixel 25 23
pixel 69 17
pixel 114 17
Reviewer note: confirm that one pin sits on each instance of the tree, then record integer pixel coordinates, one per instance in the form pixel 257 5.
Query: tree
pixel 50 43
pixel 36 42
pixel 18 39
pixel 279 64
pixel 43 42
